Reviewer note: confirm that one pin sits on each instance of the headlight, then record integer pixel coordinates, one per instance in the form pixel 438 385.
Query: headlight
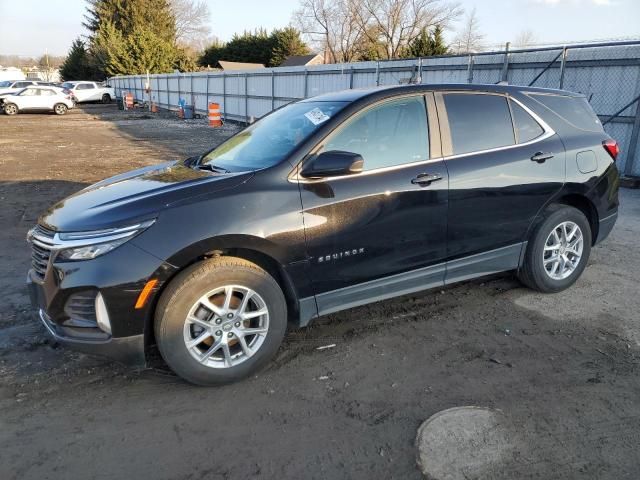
pixel 75 246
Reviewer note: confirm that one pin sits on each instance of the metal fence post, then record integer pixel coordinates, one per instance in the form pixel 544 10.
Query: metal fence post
pixel 633 143
pixel 224 96
pixel 378 73
pixel 246 99
pixel 563 64
pixel 206 103
pixel 505 66
pixel 273 90
pixel 470 69
pixel 306 83
pixel 351 78
pixel 193 103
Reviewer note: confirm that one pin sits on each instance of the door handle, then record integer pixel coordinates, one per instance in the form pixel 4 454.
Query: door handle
pixel 425 179
pixel 541 157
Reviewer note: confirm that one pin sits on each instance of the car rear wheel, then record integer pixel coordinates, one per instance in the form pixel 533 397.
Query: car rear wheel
pixel 220 321
pixel 60 109
pixel 10 108
pixel 106 98
pixel 558 250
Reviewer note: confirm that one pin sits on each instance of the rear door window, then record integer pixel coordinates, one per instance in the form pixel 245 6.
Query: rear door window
pixel 526 127
pixel 575 110
pixel 478 122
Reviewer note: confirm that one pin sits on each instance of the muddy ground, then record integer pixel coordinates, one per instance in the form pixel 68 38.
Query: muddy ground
pixel 563 368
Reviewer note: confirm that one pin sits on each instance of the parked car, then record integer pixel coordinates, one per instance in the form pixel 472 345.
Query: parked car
pixel 325 204
pixel 37 98
pixel 90 91
pixel 13 86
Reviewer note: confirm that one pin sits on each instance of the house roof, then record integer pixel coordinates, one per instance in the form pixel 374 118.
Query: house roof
pixel 239 65
pixel 298 60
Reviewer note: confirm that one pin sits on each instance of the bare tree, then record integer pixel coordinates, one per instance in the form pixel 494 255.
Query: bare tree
pixel 525 38
pixel 399 22
pixel 192 22
pixel 342 27
pixel 330 26
pixel 469 39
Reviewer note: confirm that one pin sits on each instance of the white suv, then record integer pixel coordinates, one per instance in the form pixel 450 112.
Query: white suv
pixel 90 91
pixel 35 98
pixel 12 86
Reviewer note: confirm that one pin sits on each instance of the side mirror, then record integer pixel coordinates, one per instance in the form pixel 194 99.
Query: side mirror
pixel 333 163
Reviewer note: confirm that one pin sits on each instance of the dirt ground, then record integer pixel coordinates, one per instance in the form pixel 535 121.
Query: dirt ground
pixel 563 368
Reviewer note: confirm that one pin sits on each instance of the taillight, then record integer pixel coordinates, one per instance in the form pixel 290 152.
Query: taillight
pixel 612 148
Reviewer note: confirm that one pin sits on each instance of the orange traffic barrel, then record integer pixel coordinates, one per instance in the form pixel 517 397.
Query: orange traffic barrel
pixel 128 100
pixel 214 115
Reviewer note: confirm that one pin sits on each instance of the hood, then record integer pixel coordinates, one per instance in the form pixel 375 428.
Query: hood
pixel 135 196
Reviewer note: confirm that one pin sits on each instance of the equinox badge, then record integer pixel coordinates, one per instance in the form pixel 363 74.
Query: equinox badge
pixel 340 255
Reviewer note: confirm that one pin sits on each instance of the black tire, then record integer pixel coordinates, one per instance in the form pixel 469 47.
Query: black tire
pixel 185 290
pixel 60 109
pixel 106 98
pixel 533 273
pixel 10 108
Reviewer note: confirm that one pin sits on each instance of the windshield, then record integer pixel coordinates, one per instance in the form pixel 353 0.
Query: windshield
pixel 272 138
pixel 68 85
pixel 5 84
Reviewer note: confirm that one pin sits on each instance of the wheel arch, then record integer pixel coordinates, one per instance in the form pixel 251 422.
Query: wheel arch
pixel 587 207
pixel 572 199
pixel 255 250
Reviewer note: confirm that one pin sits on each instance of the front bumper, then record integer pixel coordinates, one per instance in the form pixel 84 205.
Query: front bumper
pixel 118 277
pixel 127 350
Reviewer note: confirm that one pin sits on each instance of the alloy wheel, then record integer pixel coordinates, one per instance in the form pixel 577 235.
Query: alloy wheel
pixel 563 250
pixel 226 326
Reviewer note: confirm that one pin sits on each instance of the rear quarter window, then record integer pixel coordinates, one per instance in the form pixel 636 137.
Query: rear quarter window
pixel 574 110
pixel 527 129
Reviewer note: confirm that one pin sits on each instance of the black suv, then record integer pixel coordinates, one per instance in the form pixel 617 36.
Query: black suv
pixel 325 204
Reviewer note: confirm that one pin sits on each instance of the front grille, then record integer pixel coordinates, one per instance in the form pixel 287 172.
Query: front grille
pixel 41 245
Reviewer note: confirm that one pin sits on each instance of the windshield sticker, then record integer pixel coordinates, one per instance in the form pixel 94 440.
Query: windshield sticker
pixel 316 116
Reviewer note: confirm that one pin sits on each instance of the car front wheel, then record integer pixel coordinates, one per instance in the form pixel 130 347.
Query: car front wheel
pixel 60 109
pixel 558 250
pixel 10 108
pixel 106 98
pixel 220 321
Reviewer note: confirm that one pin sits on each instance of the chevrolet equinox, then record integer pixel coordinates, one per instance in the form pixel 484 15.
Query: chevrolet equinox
pixel 322 205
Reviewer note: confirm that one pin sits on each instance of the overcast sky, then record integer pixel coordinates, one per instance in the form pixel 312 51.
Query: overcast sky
pixel 29 27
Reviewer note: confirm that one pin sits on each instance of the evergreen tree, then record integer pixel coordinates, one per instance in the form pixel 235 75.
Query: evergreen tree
pixel 427 44
pixel 259 46
pixel 286 42
pixel 76 65
pixel 131 37
pixel 212 54
pixel 249 47
pixel 140 51
pixel 438 45
pixel 127 15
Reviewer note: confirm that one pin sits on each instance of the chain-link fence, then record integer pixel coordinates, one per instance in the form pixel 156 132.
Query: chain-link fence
pixel 607 73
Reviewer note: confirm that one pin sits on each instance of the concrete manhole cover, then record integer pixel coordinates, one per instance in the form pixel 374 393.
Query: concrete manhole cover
pixel 464 442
